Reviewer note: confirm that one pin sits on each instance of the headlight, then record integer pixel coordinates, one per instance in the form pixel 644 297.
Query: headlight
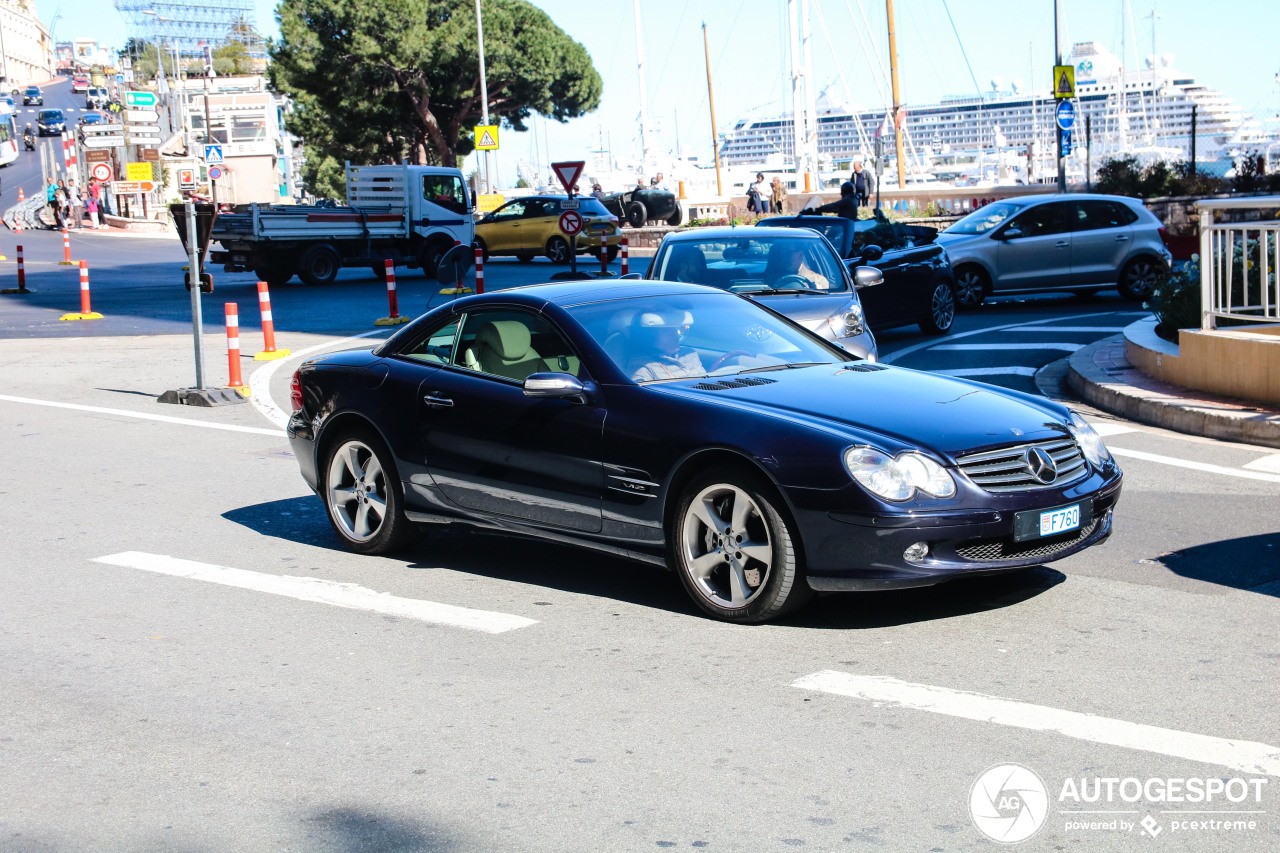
pixel 848 321
pixel 1090 442
pixel 898 478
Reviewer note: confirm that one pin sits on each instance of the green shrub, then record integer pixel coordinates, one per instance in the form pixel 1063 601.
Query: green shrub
pixel 1175 300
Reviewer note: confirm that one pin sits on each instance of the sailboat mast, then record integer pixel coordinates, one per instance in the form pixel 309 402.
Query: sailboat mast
pixel 711 101
pixel 646 152
pixel 897 104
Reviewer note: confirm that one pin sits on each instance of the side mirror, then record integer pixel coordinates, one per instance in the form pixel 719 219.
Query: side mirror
pixel 867 277
pixel 1013 232
pixel 563 386
pixel 872 252
pixel 631 276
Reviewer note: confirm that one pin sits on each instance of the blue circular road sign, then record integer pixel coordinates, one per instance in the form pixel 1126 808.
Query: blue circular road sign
pixel 1066 115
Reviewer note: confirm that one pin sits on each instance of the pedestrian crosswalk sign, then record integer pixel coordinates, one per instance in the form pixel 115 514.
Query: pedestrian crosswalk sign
pixel 1064 81
pixel 486 137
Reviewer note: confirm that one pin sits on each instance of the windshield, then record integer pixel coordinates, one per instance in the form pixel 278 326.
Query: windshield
pixel 750 263
pixel 984 219
pixel 690 336
pixel 51 115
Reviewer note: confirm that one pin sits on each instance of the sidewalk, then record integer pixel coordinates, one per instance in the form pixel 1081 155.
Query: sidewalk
pixel 1101 374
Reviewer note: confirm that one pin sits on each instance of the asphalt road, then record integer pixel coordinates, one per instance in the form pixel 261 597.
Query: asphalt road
pixel 159 705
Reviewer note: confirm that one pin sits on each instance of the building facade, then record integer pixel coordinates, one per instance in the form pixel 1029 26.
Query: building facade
pixel 25 46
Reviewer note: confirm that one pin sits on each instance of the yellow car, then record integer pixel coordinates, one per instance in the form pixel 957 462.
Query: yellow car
pixel 530 226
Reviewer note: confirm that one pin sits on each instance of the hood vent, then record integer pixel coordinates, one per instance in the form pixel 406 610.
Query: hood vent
pixel 864 367
pixel 740 382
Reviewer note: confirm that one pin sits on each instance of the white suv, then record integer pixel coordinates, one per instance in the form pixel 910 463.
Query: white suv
pixel 1073 241
pixel 95 97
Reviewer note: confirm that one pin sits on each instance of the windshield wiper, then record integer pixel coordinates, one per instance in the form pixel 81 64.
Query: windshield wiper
pixel 788 366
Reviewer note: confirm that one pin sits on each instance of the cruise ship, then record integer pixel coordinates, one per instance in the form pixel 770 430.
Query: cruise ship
pixel 1147 112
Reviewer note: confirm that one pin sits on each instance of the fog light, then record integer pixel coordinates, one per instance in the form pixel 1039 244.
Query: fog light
pixel 916 552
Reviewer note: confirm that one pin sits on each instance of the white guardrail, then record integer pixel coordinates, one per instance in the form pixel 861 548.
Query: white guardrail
pixel 1240 260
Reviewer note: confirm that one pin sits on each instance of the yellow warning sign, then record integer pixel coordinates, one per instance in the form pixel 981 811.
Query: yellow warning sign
pixel 486 137
pixel 1064 81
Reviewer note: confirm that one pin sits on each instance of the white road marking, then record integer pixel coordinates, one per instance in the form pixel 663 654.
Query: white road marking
pixel 1242 755
pixel 1011 370
pixel 1106 428
pixel 142 416
pixel 1195 466
pixel 1266 463
pixel 1034 326
pixel 1115 330
pixel 260 380
pixel 1029 345
pixel 347 595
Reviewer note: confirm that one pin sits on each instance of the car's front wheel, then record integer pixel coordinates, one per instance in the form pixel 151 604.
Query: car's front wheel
pixel 362 494
pixel 733 549
pixel 942 310
pixel 1138 279
pixel 971 287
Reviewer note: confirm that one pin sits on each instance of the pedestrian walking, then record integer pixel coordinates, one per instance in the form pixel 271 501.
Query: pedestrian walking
pixel 762 193
pixel 864 184
pixel 778 195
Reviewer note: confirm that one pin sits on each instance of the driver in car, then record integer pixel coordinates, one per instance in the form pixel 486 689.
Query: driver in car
pixel 787 259
pixel 656 336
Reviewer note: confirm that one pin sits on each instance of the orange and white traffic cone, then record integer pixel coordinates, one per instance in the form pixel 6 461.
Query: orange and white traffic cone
pixel 86 309
pixel 269 351
pixel 393 303
pixel 233 349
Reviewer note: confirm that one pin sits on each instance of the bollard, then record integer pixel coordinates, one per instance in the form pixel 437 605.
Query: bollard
pixel 86 310
pixel 269 351
pixel 680 186
pixel 604 254
pixel 233 348
pixel 17 220
pixel 392 302
pixel 626 267
pixel 66 250
pixel 22 277
pixel 479 270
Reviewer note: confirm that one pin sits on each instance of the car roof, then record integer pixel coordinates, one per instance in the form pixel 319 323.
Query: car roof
pixel 1048 197
pixel 746 232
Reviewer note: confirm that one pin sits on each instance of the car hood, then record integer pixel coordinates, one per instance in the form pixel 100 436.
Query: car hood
pixel 810 310
pixel 892 407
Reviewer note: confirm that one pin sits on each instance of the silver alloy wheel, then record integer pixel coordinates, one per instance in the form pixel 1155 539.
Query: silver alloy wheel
pixel 942 307
pixel 969 292
pixel 357 491
pixel 1138 280
pixel 558 250
pixel 726 546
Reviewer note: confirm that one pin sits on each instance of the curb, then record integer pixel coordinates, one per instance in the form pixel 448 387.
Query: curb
pixel 1103 377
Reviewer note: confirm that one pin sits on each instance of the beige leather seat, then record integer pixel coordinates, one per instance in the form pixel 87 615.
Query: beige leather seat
pixel 503 348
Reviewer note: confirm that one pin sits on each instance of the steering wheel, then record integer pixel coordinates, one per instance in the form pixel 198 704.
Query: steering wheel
pixel 719 362
pixel 787 282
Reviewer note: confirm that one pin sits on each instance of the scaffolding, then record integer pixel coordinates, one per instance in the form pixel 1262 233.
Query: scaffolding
pixel 190 25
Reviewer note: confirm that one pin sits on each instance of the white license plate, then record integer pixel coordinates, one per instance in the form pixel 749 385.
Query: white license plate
pixel 1057 521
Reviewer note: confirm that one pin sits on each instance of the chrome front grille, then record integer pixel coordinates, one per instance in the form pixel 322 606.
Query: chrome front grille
pixel 1014 469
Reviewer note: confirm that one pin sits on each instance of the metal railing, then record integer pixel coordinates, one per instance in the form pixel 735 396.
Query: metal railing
pixel 1240 261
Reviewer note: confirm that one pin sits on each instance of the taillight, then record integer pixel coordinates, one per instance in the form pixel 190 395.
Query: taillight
pixel 295 392
pixel 1164 235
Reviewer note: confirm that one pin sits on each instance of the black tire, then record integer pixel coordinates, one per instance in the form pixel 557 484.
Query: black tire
pixel 677 217
pixel 610 253
pixel 482 246
pixel 430 255
pixel 972 286
pixel 379 271
pixel 320 265
pixel 637 215
pixel 524 257
pixel 276 276
pixel 1138 278
pixel 725 589
pixel 558 250
pixel 941 310
pixel 361 493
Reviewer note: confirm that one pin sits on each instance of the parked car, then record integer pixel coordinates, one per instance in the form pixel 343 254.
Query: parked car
pixel 644 204
pixel 795 272
pixel 50 122
pixel 32 95
pixel 530 226
pixel 96 97
pixel 773 466
pixel 918 284
pixel 1073 241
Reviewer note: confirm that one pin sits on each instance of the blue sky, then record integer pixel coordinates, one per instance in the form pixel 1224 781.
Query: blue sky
pixel 1228 45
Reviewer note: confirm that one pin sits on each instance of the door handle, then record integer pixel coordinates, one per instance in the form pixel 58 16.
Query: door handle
pixel 1122 238
pixel 1062 244
pixel 436 401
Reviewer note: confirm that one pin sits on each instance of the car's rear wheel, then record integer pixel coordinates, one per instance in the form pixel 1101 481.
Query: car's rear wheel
pixel 610 253
pixel 732 547
pixel 942 310
pixel 637 215
pixel 362 494
pixel 558 250
pixel 971 287
pixel 677 217
pixel 319 265
pixel 482 246
pixel 1138 278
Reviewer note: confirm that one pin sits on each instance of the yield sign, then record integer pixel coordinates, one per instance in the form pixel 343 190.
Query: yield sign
pixel 568 173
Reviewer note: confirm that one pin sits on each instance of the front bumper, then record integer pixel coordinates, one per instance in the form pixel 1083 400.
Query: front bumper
pixel 853 551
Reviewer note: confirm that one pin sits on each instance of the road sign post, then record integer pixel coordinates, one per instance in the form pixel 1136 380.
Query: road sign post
pixel 571 226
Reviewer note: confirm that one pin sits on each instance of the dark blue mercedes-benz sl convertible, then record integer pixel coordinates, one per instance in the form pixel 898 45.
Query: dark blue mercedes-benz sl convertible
pixel 687 426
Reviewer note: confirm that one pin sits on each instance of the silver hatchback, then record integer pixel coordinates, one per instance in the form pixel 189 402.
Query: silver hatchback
pixel 1074 241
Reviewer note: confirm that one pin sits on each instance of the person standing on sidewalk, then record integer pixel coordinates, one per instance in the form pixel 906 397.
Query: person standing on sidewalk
pixel 50 197
pixel 777 195
pixel 76 203
pixel 60 205
pixel 91 207
pixel 864 184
